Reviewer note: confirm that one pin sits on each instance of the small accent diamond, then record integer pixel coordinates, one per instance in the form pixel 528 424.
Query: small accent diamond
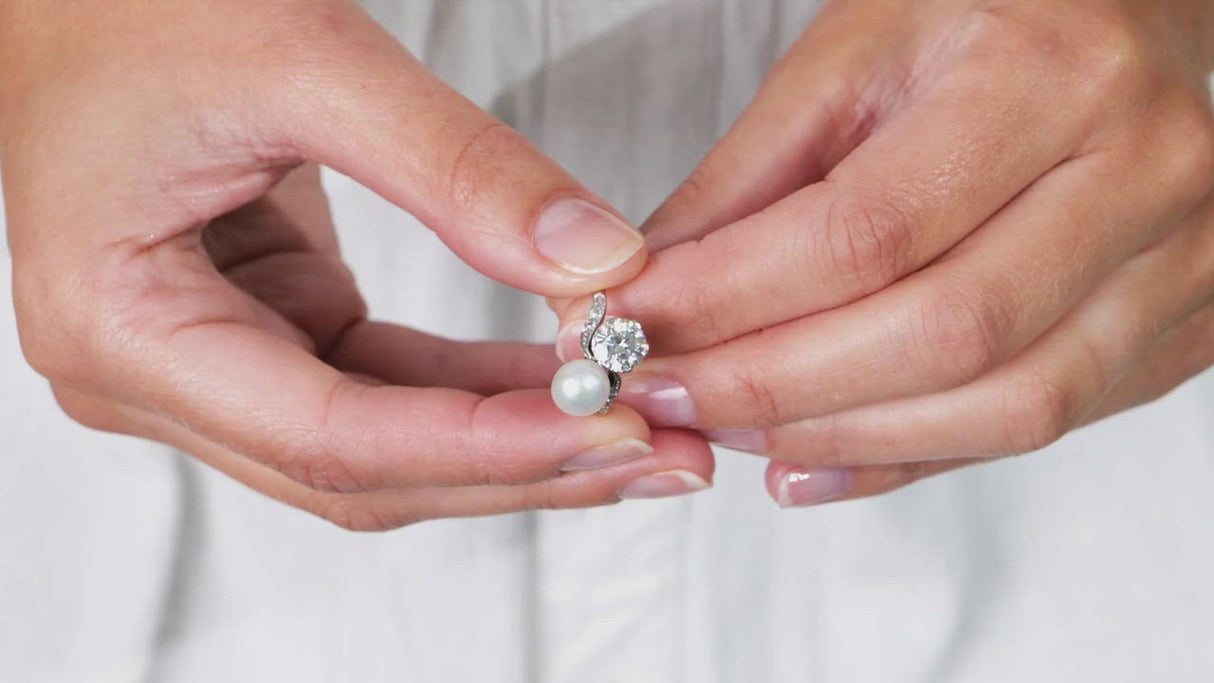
pixel 619 344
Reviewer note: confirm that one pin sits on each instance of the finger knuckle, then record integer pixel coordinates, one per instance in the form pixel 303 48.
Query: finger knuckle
pixel 489 469
pixel 318 468
pixel 866 241
pixel 486 461
pixel 698 188
pixel 310 454
pixel 899 476
pixel 81 328
pixel 478 162
pixel 1041 410
pixel 1189 149
pixel 1097 51
pixel 49 333
pixel 315 38
pixel 542 497
pixel 41 354
pixel 832 445
pixel 687 312
pixel 1002 31
pixel 755 393
pixel 960 332
pixel 356 514
pixel 86 410
pixel 1108 54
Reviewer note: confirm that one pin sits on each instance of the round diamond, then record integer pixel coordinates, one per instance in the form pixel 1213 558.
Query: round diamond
pixel 619 344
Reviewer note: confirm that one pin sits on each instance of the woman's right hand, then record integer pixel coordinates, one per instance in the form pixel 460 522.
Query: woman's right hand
pixel 176 275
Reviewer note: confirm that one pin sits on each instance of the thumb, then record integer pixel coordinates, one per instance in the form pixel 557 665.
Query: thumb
pixel 503 206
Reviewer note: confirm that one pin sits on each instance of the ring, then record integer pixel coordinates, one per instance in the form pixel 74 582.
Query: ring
pixel 612 347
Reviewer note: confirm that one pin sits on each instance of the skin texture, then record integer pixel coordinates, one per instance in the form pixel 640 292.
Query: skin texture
pixel 943 232
pixel 177 275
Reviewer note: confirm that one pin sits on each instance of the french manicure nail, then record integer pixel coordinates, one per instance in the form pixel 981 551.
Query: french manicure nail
pixel 800 488
pixel 584 238
pixel 611 454
pixel 664 484
pixel 746 440
pixel 663 402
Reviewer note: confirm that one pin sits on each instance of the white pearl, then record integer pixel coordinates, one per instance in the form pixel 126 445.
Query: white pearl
pixel 580 387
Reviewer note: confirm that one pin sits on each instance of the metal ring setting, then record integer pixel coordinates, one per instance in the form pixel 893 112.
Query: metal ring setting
pixel 615 345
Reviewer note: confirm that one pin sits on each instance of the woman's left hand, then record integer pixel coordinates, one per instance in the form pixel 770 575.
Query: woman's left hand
pixel 944 231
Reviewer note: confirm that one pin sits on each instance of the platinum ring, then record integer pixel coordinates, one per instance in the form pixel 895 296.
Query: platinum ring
pixel 611 347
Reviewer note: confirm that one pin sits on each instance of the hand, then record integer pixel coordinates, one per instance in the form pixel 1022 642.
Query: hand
pixel 944 231
pixel 177 277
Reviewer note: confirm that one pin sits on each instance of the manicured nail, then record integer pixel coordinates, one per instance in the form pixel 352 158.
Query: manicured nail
pixel 664 484
pixel 569 341
pixel 583 238
pixel 747 440
pixel 663 402
pixel 799 488
pixel 611 454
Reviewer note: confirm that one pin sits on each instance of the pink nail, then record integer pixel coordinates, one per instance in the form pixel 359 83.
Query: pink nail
pixel 799 488
pixel 611 454
pixel 746 440
pixel 663 402
pixel 664 484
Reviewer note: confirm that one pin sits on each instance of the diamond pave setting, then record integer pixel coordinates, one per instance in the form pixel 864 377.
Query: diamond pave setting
pixel 619 344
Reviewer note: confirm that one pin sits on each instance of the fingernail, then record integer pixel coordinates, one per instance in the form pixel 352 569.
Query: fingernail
pixel 747 440
pixel 662 401
pixel 664 484
pixel 611 454
pixel 583 238
pixel 810 487
pixel 569 342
